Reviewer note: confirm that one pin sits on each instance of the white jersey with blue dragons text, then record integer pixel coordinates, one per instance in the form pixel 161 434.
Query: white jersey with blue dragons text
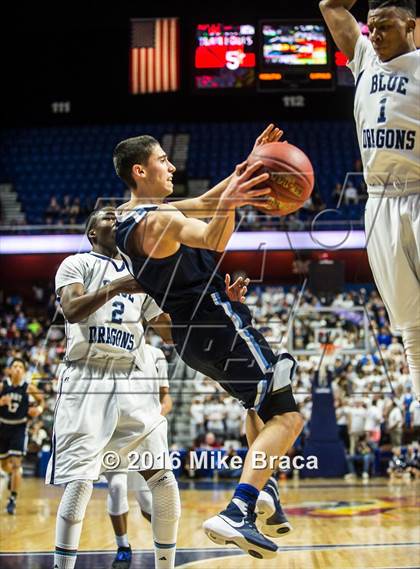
pixel 114 330
pixel 387 113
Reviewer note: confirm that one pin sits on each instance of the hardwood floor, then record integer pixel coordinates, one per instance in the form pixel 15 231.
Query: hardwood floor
pixel 336 525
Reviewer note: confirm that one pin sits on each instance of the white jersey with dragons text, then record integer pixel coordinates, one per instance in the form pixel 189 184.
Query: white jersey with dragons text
pixel 387 113
pixel 114 330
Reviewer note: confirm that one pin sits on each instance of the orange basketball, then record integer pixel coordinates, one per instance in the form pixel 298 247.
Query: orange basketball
pixel 291 176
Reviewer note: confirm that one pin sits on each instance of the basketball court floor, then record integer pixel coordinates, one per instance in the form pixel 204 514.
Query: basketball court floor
pixel 336 526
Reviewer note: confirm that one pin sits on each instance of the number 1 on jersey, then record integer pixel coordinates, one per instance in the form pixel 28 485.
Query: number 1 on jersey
pixel 382 117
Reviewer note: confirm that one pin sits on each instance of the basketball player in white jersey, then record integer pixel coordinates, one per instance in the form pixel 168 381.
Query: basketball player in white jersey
pixel 119 482
pixel 107 399
pixel 386 68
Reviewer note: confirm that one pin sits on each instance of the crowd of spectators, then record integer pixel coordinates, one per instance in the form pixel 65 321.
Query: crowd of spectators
pixel 349 195
pixel 27 332
pixel 374 401
pixel 70 210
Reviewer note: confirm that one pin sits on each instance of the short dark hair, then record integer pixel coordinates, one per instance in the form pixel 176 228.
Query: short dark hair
pixel 93 219
pixel 136 150
pixel 21 360
pixel 408 5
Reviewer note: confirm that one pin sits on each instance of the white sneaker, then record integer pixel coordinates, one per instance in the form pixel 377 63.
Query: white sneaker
pixel 233 526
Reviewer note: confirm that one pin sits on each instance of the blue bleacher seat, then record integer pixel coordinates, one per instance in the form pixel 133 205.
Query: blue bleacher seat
pixel 42 162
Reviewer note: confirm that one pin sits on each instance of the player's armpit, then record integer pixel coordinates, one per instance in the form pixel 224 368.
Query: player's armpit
pixel 342 25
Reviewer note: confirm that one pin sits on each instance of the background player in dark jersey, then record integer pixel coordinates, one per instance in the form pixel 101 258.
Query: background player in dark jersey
pixel 14 413
pixel 171 254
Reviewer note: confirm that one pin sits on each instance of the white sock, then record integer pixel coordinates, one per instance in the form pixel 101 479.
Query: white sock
pixel 122 540
pixel 71 512
pixel 166 510
pixel 64 561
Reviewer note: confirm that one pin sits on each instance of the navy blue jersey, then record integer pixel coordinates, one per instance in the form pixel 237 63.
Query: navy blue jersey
pixel 212 334
pixel 174 282
pixel 17 410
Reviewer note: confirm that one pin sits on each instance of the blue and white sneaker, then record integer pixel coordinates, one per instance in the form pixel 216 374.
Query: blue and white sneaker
pixel 11 507
pixel 237 526
pixel 123 558
pixel 273 520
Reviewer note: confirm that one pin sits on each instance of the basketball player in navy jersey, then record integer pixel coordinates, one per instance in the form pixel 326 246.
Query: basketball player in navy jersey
pixel 14 413
pixel 170 251
pixel 105 348
pixel 386 68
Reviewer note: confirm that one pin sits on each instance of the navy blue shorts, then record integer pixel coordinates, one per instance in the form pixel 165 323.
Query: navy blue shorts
pixel 220 342
pixel 13 440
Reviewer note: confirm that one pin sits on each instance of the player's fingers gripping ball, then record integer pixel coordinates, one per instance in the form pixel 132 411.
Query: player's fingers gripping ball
pixel 291 176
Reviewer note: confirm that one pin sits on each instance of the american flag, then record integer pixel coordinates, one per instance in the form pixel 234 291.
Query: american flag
pixel 154 58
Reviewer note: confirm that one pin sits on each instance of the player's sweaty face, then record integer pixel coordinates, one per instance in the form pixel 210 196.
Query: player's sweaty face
pixel 159 173
pixel 388 30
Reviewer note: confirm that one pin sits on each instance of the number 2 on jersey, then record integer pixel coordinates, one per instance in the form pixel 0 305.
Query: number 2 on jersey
pixel 382 117
pixel 117 312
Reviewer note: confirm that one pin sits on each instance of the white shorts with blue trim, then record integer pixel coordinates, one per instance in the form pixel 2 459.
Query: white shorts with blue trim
pixel 100 412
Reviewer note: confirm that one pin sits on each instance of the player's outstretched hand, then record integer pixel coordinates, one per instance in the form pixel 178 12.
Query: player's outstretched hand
pixel 236 291
pixel 271 134
pixel 127 285
pixel 241 188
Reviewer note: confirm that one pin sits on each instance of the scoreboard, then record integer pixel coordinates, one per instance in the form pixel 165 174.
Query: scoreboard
pixel 274 55
pixel 294 55
pixel 225 56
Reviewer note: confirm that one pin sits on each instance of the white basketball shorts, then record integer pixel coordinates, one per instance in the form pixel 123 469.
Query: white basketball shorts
pixel 392 226
pixel 99 412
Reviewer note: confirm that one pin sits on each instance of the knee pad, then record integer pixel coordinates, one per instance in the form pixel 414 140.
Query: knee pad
pixel 165 496
pixel 117 501
pixel 75 500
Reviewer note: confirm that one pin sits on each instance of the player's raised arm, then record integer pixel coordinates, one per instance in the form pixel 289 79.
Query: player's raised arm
pixel 205 206
pixel 215 235
pixel 78 305
pixel 342 25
